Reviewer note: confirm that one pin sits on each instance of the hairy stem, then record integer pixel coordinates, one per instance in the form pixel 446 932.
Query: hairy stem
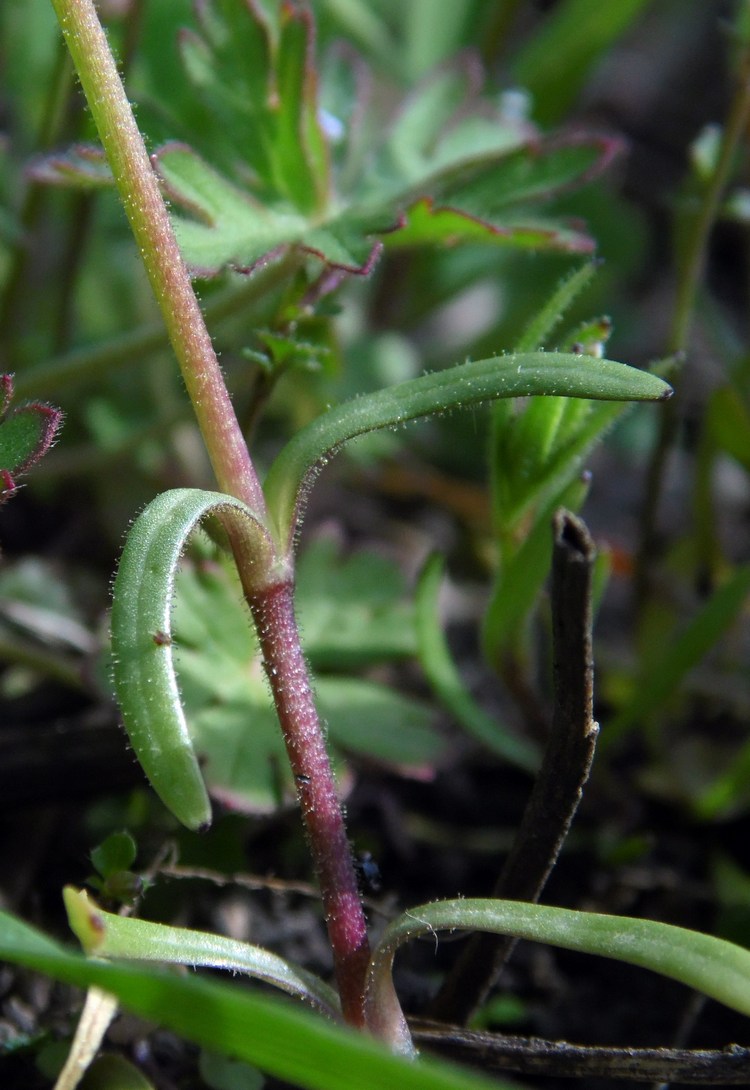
pixel 150 223
pixel 271 601
pixel 273 611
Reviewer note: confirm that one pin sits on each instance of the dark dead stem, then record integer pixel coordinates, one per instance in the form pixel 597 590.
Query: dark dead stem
pixel 559 785
pixel 285 666
pixel 535 1056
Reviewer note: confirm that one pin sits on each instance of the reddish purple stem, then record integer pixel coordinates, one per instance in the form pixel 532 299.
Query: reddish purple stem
pixel 273 611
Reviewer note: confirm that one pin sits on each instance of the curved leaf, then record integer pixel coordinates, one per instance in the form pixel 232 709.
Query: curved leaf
pixel 293 1044
pixel 713 966
pixel 518 375
pixel 107 935
pixel 442 673
pixel 143 666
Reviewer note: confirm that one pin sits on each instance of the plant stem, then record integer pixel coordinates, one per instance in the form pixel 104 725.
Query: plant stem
pixel 169 277
pixel 559 785
pixel 269 592
pixel 273 611
pixel 690 273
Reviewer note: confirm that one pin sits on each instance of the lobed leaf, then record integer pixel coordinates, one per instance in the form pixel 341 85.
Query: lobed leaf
pixel 273 171
pixel 26 434
pixel 450 167
pixel 231 226
pixel 225 697
pixel 107 935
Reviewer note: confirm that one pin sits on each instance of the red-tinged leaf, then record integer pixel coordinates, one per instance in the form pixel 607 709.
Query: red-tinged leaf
pixel 426 224
pixel 7 485
pixel 6 393
pixel 82 166
pixel 489 186
pixel 25 436
pixel 453 167
pixel 231 228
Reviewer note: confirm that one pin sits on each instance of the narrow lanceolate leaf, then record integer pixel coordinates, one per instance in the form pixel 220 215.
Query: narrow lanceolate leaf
pixel 143 667
pixel 107 935
pixel 534 373
pixel 295 1045
pixel 663 673
pixel 446 681
pixel 713 966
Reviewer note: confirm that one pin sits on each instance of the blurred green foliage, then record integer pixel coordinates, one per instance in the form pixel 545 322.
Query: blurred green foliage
pixel 455 163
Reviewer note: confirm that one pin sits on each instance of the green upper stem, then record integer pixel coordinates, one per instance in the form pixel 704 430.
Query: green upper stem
pixel 169 277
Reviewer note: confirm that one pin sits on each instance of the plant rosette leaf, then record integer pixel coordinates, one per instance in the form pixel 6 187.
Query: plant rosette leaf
pixel 483 200
pixel 26 434
pixel 277 169
pixel 225 696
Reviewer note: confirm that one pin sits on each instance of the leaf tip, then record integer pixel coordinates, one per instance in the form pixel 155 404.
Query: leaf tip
pixel 83 916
